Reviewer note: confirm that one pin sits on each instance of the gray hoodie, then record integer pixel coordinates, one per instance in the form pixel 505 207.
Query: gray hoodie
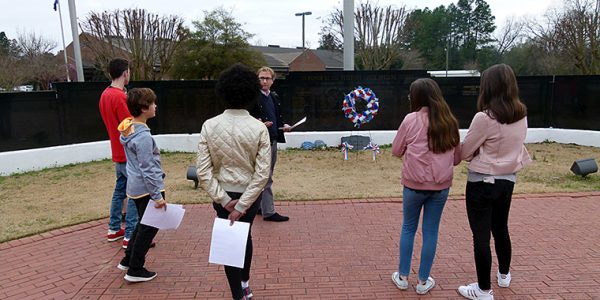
pixel 144 174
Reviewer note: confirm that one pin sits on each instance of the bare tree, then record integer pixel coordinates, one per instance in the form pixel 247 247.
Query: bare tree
pixel 379 34
pixel 509 35
pixel 38 64
pixel 573 34
pixel 30 44
pixel 148 40
pixel 11 72
pixel 412 60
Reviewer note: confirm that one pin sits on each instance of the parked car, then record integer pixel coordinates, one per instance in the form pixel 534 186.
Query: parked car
pixel 24 88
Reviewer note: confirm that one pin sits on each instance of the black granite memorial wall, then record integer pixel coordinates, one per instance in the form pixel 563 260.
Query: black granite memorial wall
pixel 70 113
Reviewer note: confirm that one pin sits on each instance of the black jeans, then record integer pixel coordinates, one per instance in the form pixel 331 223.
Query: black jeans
pixel 235 276
pixel 488 206
pixel 142 237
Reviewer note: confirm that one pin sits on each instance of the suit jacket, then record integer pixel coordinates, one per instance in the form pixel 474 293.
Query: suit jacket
pixel 257 112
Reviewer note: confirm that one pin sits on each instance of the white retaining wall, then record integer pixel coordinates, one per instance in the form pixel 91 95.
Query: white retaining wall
pixel 12 162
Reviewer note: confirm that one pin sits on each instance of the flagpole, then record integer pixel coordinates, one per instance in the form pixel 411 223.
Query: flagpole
pixel 76 47
pixel 62 32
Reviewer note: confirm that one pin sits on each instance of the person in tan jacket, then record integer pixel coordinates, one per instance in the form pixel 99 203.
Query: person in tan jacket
pixel 233 162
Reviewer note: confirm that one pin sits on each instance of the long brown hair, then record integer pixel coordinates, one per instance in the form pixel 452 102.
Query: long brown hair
pixel 499 95
pixel 442 133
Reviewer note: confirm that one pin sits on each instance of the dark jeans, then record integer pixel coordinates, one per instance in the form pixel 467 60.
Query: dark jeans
pixel 142 237
pixel 235 276
pixel 488 206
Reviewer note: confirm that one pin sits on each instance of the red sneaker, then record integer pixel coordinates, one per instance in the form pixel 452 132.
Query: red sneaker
pixel 114 236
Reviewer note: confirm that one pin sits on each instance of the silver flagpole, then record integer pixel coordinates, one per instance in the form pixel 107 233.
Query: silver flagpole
pixel 76 47
pixel 348 35
pixel 62 32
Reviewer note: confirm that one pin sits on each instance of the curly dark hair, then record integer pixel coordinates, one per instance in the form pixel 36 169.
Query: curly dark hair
pixel 238 86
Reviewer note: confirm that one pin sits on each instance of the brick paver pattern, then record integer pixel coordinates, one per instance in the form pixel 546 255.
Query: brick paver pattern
pixel 338 249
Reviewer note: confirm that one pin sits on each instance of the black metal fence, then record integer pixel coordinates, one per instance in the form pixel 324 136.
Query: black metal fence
pixel 70 114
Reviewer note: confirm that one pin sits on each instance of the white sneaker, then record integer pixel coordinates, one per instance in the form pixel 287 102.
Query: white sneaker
pixel 472 291
pixel 424 287
pixel 400 283
pixel 503 280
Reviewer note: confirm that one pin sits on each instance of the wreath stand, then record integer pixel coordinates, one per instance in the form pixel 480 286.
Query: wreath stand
pixel 371 103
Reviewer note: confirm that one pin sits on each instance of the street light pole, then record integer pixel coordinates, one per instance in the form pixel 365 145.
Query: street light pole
pixel 447 53
pixel 307 13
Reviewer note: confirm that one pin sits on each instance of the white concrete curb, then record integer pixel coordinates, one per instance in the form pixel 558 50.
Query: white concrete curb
pixel 12 162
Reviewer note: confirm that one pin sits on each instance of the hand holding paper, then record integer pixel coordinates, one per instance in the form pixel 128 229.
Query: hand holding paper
pixel 228 243
pixel 161 204
pixel 297 123
pixel 234 216
pixel 162 218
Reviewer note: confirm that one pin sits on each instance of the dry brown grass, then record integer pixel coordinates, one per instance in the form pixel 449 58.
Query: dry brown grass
pixel 39 201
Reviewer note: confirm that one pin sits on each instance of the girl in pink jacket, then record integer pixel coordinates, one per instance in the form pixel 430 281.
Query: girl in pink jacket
pixel 495 151
pixel 428 139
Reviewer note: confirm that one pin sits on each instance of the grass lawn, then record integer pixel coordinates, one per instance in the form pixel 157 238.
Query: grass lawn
pixel 39 201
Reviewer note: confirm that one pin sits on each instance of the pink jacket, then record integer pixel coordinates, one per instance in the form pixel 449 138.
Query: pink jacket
pixel 493 148
pixel 422 169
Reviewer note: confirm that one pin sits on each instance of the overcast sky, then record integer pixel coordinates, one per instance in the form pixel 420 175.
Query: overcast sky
pixel 271 21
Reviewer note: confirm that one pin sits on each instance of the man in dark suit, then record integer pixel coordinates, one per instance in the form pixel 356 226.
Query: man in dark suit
pixel 269 112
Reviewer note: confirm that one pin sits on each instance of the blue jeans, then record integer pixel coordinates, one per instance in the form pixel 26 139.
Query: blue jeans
pixel 433 203
pixel 116 206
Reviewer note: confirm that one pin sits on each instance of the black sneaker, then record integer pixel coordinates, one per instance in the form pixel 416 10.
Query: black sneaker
pixel 276 218
pixel 247 293
pixel 140 275
pixel 123 265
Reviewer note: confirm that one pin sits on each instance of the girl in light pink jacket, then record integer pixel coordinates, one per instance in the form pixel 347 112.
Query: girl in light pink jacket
pixel 428 139
pixel 495 151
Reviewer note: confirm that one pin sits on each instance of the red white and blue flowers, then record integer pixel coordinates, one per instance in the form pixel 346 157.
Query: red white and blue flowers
pixel 349 106
pixel 374 148
pixel 345 148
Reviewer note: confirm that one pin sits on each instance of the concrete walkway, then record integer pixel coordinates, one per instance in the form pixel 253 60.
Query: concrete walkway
pixel 339 249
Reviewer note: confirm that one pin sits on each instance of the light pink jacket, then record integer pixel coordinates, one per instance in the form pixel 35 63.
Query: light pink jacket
pixel 422 169
pixel 493 148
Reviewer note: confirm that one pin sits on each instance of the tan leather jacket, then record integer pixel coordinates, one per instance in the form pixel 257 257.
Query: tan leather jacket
pixel 234 155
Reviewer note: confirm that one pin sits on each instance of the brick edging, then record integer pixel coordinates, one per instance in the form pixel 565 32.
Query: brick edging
pixel 52 233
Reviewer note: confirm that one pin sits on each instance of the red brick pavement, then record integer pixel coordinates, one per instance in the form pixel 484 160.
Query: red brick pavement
pixel 338 249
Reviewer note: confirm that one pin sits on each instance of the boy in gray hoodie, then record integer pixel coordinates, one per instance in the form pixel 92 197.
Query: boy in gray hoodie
pixel 144 179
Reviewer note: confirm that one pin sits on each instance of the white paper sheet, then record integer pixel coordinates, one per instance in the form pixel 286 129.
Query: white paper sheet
pixel 297 123
pixel 161 218
pixel 228 243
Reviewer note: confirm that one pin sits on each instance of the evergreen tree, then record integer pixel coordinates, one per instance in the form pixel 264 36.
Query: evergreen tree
pixel 463 31
pixel 430 33
pixel 329 42
pixel 472 28
pixel 217 42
